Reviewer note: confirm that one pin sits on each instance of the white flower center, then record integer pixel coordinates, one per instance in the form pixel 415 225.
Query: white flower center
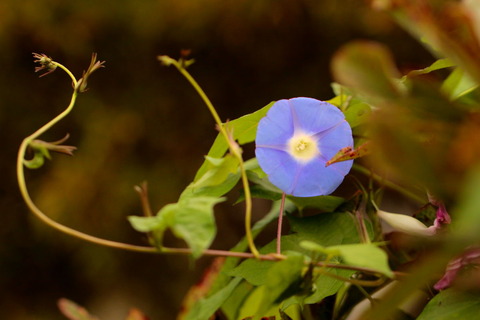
pixel 302 147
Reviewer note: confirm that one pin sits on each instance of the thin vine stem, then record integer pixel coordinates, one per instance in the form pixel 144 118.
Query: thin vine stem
pixel 63 114
pixel 366 294
pixel 233 149
pixel 280 222
pixel 27 198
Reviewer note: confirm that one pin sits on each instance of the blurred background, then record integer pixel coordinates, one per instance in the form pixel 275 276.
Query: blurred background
pixel 141 121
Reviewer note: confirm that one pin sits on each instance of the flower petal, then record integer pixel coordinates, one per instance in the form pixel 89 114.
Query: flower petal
pixel 277 126
pixel 314 179
pixel 313 116
pixel 279 166
pixel 332 140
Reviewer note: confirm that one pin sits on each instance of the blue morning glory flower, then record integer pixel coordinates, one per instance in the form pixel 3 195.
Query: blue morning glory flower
pixel 295 140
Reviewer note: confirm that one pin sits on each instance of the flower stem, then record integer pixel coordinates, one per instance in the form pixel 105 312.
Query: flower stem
pixel 279 227
pixel 233 149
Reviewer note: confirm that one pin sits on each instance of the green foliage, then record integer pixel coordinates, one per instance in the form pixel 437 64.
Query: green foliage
pixel 223 280
pixel 329 229
pixel 458 84
pixel 369 71
pixel 205 308
pixel 322 203
pixel 356 110
pixel 283 280
pixel 253 303
pixel 244 130
pixel 326 284
pixel 191 219
pixel 451 305
pixel 326 229
pixel 467 223
pixel 437 65
pixel 366 255
pixel 367 68
pixel 357 113
pixel 220 176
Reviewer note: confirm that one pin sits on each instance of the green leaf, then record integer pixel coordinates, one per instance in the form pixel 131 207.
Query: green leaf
pixel 191 219
pixel 284 316
pixel 312 246
pixel 258 177
pixel 244 130
pixel 357 112
pixel 231 262
pixel 366 255
pixel 458 84
pixel 231 307
pixel 220 177
pixel 342 94
pixel 157 224
pixel 253 303
pixel 369 69
pixel 326 285
pixel 467 220
pixel 323 203
pixel 253 271
pixel 224 278
pixel 218 171
pixel 326 229
pixel 145 224
pixel 262 188
pixel 194 222
pixel 253 166
pixel 437 65
pixel 452 305
pixel 282 281
pixel 205 308
pixel 361 255
pixel 260 192
pixel 442 32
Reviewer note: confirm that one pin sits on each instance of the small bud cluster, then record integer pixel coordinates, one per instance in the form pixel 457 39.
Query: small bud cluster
pixel 94 65
pixel 46 63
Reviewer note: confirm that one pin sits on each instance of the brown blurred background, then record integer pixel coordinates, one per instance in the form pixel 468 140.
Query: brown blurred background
pixel 141 121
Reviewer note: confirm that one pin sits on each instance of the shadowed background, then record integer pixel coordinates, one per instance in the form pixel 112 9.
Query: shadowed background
pixel 141 121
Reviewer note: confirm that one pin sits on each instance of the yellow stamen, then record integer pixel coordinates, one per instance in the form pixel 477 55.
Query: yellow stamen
pixel 303 147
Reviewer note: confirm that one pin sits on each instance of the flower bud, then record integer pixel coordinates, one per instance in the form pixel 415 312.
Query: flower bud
pixel 46 63
pixel 406 224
